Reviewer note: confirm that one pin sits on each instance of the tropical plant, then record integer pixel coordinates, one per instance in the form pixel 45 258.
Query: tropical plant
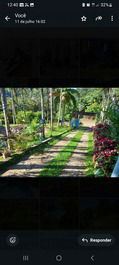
pixel 65 96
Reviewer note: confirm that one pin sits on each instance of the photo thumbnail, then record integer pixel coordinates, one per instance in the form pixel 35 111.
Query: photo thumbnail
pixel 59 132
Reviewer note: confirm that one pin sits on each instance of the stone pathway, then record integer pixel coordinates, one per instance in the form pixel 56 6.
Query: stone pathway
pixel 76 165
pixel 31 166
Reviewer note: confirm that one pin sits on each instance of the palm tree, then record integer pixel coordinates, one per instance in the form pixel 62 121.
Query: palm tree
pixel 65 96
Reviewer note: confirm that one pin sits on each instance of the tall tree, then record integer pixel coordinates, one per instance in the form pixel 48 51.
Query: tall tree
pixel 51 110
pixel 105 103
pixel 4 107
pixel 13 106
pixel 48 106
pixel 60 106
pixel 42 112
pixel 65 96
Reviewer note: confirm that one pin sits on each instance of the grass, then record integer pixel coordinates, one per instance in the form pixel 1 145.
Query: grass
pixel 56 130
pixel 89 158
pixel 51 143
pixel 39 149
pixel 56 165
pixel 25 141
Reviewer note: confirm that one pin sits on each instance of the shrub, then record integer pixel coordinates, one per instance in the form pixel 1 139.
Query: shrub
pixel 37 116
pixel 20 119
pixel 27 117
pixel 105 151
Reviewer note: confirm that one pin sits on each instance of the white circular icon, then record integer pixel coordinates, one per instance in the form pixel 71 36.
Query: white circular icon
pixel 59 258
pixel 12 240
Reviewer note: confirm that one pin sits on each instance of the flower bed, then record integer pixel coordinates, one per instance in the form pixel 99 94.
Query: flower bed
pixel 105 151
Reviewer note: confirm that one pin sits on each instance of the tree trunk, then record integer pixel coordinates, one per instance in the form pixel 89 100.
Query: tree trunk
pixel 23 100
pixel 51 111
pixel 4 106
pixel 63 114
pixel 13 108
pixel 60 106
pixel 48 107
pixel 105 103
pixel 42 112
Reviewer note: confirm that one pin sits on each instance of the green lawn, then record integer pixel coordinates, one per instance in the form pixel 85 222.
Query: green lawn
pixel 57 129
pixel 56 165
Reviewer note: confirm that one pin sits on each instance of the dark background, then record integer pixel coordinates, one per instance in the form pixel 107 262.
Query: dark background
pixel 63 57
pixel 67 58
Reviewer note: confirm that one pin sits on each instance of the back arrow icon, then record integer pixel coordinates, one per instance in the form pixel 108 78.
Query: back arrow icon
pixel 7 18
pixel 92 258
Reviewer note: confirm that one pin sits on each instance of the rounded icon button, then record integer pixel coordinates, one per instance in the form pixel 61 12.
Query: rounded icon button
pixel 12 240
pixel 59 258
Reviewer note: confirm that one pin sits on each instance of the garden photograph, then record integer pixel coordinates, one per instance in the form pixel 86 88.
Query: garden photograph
pixel 59 132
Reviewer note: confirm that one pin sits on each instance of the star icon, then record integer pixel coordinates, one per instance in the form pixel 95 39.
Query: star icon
pixel 83 19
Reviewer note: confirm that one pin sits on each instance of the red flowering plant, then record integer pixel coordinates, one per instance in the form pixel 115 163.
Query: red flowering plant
pixel 106 160
pixel 101 130
pixel 105 152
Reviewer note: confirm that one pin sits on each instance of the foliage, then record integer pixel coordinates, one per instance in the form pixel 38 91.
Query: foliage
pixel 27 117
pixel 105 151
pixel 94 107
pixel 2 117
pixel 89 98
pixel 112 114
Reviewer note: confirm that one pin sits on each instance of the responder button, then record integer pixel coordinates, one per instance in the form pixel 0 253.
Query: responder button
pixel 96 240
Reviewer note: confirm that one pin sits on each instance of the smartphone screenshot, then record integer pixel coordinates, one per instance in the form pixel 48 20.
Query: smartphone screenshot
pixel 59 132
